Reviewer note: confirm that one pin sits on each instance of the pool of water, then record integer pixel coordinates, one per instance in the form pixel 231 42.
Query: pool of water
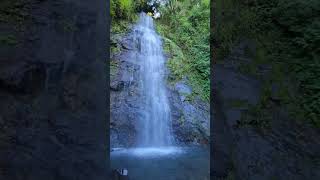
pixel 170 163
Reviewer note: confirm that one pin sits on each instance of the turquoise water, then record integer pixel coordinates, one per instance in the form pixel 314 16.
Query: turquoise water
pixel 170 163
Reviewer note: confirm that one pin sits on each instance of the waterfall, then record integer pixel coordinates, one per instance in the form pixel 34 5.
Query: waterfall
pixel 152 152
pixel 156 120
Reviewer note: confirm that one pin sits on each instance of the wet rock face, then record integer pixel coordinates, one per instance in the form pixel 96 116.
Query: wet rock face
pixel 190 119
pixel 27 80
pixel 52 89
pixel 124 95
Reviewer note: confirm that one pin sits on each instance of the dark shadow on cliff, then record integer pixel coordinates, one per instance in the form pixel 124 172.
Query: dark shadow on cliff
pixel 53 86
pixel 257 132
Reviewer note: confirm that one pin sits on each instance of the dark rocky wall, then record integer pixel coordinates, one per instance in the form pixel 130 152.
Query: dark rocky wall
pixel 53 85
pixel 285 149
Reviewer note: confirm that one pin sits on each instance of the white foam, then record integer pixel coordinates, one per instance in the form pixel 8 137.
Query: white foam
pixel 149 151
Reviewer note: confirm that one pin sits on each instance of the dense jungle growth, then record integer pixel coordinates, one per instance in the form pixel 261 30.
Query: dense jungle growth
pixel 185 28
pixel 286 37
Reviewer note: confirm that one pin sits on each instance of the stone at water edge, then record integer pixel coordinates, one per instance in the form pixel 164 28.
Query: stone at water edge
pixel 120 174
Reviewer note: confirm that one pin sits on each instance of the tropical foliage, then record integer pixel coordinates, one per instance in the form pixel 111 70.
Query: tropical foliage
pixel 287 36
pixel 185 26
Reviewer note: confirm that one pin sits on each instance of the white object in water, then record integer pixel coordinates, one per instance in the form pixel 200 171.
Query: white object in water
pixel 124 172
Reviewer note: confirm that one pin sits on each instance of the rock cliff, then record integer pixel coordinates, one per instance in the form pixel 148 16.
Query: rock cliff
pixel 52 89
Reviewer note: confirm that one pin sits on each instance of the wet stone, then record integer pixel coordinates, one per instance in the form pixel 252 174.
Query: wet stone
pixel 120 174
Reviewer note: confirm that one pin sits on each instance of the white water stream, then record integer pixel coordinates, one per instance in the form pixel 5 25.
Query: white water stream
pixel 156 122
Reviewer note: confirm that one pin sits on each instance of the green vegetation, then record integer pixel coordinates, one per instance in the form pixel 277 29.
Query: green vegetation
pixel 113 68
pixel 126 9
pixel 14 12
pixel 121 8
pixel 175 63
pixel 286 34
pixel 184 24
pixel 122 14
pixel 120 26
pixel 188 44
pixel 10 40
pixel 238 103
pixel 185 28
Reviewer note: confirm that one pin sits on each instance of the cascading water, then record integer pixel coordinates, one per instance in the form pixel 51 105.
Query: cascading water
pixel 155 123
